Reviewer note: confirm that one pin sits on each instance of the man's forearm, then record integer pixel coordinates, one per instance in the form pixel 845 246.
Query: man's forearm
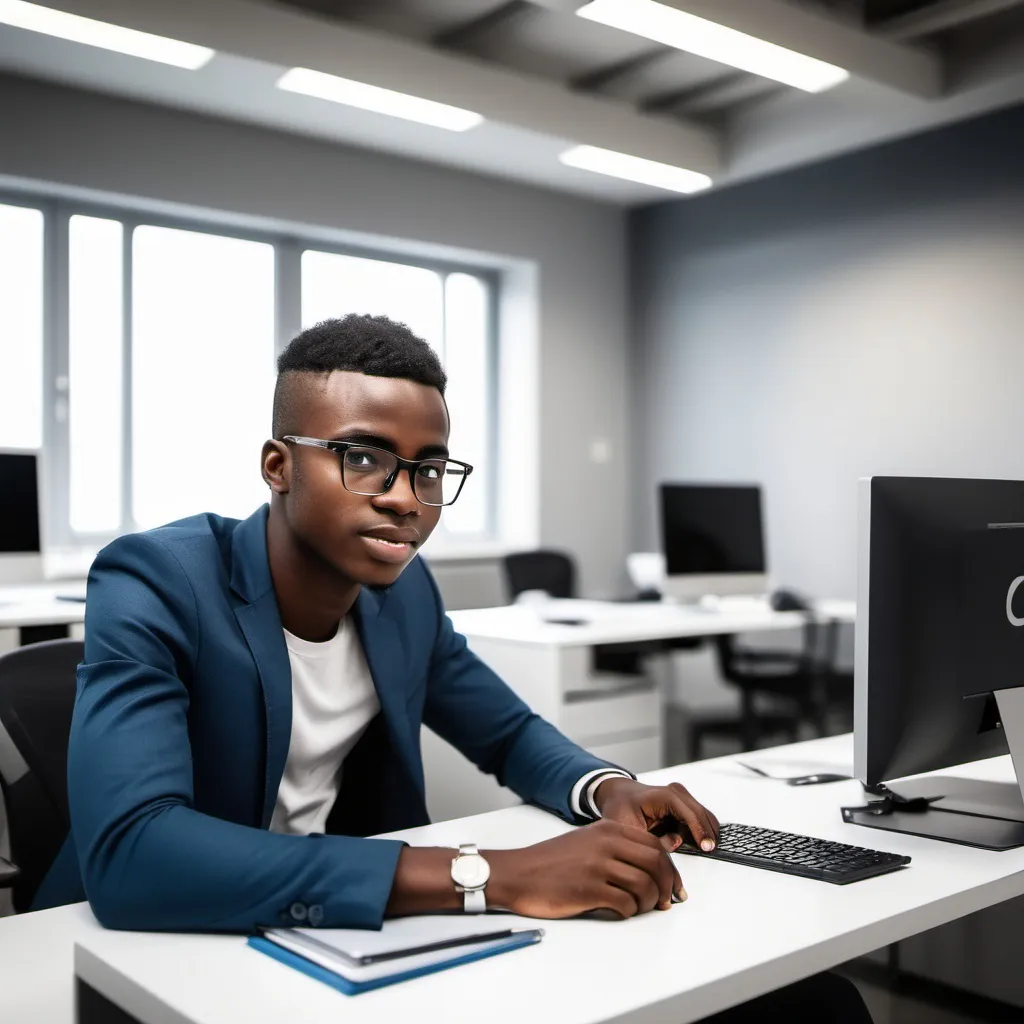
pixel 423 881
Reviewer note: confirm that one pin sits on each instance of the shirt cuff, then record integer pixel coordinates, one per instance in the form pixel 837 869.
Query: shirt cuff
pixel 581 800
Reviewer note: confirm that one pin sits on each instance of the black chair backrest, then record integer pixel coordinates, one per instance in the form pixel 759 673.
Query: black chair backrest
pixel 37 697
pixel 550 571
pixel 733 659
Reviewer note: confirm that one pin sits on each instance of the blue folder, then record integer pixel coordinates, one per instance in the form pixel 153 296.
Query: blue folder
pixel 353 988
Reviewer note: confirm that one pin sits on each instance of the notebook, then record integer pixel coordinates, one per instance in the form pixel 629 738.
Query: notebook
pixel 356 960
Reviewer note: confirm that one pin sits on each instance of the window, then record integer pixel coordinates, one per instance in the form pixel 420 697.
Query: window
pixel 333 285
pixel 95 358
pixel 202 373
pixel 452 312
pixel 163 335
pixel 468 366
pixel 21 327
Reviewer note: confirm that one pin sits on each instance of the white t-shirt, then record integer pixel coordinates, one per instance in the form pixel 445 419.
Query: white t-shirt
pixel 333 701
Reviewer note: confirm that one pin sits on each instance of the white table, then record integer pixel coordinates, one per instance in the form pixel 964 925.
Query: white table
pixel 618 718
pixel 742 932
pixel 608 622
pixel 37 604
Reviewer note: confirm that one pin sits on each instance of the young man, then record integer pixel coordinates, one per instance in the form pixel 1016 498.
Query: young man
pixel 252 693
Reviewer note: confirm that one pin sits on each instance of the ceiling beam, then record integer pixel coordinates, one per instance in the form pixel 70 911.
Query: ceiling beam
pixel 664 102
pixel 287 37
pixel 708 96
pixel 918 72
pixel 500 17
pixel 940 17
pixel 600 78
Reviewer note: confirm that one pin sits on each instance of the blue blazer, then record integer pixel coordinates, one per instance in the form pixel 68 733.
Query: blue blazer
pixel 181 729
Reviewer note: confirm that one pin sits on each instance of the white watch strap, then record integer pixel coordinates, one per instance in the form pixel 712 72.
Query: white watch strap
pixel 475 901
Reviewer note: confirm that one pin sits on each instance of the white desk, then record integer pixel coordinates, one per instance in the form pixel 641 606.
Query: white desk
pixel 618 718
pixel 37 604
pixel 549 666
pixel 743 932
pixel 607 622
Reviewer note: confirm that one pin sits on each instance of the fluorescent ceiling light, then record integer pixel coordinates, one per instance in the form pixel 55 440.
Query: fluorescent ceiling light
pixel 633 168
pixel 715 42
pixel 19 14
pixel 381 101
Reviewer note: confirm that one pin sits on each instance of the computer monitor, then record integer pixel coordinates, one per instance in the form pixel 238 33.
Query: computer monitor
pixel 713 539
pixel 939 661
pixel 20 551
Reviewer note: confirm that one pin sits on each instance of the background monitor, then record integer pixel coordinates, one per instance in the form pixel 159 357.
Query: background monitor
pixel 713 539
pixel 20 549
pixel 935 638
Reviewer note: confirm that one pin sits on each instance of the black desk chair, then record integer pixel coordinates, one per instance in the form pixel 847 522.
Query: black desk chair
pixel 37 696
pixel 779 690
pixel 554 572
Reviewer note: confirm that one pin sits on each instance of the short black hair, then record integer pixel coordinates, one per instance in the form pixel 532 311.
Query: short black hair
pixel 374 345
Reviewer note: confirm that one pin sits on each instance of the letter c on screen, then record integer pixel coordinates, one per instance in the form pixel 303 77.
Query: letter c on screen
pixel 1015 620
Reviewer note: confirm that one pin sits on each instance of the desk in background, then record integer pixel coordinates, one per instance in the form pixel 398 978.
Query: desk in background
pixel 727 944
pixel 34 611
pixel 618 718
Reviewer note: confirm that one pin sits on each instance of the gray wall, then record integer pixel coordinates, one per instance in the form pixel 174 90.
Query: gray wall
pixel 863 316
pixel 50 134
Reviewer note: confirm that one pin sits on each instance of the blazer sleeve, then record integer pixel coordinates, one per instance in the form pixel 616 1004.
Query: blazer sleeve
pixel 468 705
pixel 149 860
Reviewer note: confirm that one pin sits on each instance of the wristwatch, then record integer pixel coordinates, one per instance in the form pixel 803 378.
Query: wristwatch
pixel 470 873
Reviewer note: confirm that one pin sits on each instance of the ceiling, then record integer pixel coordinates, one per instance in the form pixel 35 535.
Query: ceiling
pixel 545 79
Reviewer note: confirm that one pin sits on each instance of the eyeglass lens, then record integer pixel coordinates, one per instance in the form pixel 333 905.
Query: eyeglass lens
pixel 369 471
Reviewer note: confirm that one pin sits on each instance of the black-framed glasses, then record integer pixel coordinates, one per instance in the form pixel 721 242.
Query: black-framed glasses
pixel 372 471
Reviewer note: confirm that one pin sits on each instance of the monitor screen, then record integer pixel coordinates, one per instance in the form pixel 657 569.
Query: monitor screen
pixel 712 530
pixel 935 608
pixel 19 504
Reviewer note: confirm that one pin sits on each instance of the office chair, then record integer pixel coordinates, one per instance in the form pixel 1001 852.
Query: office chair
pixel 554 572
pixel 37 696
pixel 551 571
pixel 779 690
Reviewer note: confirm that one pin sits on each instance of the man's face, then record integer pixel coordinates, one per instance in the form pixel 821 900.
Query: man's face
pixel 351 531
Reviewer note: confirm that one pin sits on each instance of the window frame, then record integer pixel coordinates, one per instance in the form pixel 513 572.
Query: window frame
pixel 288 246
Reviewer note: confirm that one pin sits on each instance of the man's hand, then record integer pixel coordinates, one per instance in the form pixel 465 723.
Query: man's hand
pixel 669 811
pixel 605 866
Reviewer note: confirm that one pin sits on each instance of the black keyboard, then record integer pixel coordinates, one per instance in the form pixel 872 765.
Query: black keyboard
pixel 799 855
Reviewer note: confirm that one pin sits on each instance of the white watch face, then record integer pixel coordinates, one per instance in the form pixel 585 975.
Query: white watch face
pixel 470 871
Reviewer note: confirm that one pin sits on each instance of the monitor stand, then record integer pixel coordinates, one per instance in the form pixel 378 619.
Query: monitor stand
pixel 971 812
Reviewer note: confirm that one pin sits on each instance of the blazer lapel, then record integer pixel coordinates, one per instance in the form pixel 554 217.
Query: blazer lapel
pixel 260 622
pixel 385 656
pixel 261 625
